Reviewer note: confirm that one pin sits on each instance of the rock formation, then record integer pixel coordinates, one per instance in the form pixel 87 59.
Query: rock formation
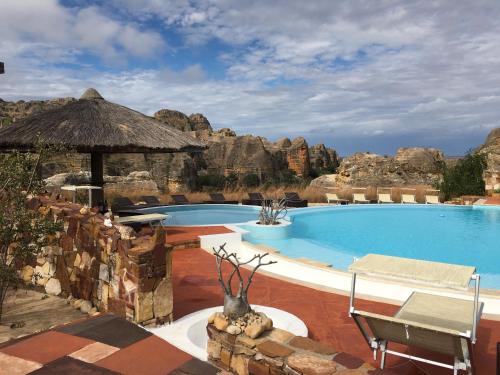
pixel 227 153
pixel 323 158
pixel 13 111
pixel 491 149
pixel 410 166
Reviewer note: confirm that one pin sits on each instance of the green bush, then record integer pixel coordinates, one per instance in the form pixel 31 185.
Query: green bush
pixel 211 180
pixel 251 180
pixel 23 231
pixel 465 178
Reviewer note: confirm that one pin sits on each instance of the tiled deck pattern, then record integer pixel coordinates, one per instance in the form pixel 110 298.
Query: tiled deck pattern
pixel 102 345
pixel 187 237
pixel 110 345
pixel 324 313
pixel 492 200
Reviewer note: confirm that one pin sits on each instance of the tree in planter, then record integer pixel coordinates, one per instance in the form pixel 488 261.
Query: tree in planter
pixel 23 231
pixel 236 305
pixel 272 211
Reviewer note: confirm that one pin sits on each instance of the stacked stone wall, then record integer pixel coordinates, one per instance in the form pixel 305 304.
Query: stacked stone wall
pixel 104 268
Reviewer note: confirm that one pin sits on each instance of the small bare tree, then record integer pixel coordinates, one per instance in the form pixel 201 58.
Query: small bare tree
pixel 236 305
pixel 272 211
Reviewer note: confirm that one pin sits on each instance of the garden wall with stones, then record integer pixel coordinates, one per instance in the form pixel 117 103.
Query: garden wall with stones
pixel 104 267
pixel 278 352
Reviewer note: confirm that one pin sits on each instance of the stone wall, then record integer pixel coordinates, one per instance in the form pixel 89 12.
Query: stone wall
pixel 104 268
pixel 278 352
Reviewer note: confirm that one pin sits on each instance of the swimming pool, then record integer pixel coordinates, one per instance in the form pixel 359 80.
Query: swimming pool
pixel 206 214
pixel 451 234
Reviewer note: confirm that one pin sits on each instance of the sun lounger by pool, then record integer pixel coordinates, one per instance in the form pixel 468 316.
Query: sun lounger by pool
pixel 124 204
pixel 432 322
pixel 218 198
pixel 141 219
pixel 359 196
pixel 255 199
pixel 179 199
pixel 293 200
pixel 334 198
pixel 384 195
pixel 408 196
pixel 432 197
pixel 151 200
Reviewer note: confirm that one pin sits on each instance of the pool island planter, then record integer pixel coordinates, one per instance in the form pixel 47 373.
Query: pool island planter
pixel 258 232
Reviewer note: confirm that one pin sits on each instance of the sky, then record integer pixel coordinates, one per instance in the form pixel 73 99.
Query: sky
pixel 356 75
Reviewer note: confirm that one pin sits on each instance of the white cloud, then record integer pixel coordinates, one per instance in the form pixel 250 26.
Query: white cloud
pixel 343 72
pixel 46 29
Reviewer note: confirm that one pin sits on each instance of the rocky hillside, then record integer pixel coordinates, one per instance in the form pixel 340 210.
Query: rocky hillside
pixel 227 152
pixel 410 166
pixel 492 150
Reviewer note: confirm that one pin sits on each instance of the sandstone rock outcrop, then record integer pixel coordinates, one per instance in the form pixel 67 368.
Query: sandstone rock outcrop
pixel 410 166
pixel 227 153
pixel 491 149
pixel 13 111
pixel 180 121
pixel 323 158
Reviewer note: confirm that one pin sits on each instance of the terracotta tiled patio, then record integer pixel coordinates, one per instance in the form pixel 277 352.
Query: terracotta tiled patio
pixel 324 313
pixel 102 345
pixel 110 345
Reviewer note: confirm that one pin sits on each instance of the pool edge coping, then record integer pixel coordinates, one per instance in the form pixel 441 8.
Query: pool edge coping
pixel 244 246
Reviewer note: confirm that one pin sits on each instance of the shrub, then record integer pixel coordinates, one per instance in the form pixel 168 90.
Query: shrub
pixel 465 178
pixel 251 180
pixel 214 181
pixel 23 231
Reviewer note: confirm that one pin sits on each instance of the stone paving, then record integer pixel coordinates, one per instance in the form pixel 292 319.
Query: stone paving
pixel 31 311
pixel 102 345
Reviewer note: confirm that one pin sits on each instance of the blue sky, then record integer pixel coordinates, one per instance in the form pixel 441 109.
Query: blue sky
pixel 355 75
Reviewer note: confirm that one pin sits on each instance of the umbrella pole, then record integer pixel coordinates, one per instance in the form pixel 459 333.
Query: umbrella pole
pixel 96 170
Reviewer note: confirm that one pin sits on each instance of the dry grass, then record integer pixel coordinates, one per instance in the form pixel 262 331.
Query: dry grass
pixel 313 195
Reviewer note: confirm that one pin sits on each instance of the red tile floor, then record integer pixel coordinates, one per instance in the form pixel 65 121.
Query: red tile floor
pixel 110 345
pixel 78 348
pixel 324 313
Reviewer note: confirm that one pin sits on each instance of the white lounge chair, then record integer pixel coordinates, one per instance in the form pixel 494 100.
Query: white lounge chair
pixel 334 198
pixel 359 196
pixel 436 323
pixel 432 198
pixel 407 197
pixel 384 195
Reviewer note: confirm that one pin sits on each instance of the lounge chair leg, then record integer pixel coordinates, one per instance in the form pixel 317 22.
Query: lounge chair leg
pixel 455 366
pixel 383 347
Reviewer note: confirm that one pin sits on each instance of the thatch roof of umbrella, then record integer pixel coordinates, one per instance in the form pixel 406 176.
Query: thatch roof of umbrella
pixel 92 124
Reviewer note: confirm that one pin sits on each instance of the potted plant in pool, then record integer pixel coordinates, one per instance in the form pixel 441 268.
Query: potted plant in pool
pixel 238 316
pixel 272 212
pixel 496 193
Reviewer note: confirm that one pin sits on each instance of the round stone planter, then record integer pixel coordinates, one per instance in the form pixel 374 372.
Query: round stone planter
pixel 260 232
pixel 190 332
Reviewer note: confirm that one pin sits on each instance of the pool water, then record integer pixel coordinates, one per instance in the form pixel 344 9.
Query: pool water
pixel 206 214
pixel 335 235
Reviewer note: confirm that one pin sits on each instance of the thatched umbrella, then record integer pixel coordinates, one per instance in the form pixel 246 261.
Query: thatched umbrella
pixel 94 125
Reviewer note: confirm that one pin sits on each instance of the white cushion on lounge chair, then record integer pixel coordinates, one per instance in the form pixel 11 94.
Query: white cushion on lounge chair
pixel 408 198
pixel 138 219
pixel 385 198
pixel 434 310
pixel 423 271
pixel 432 199
pixel 359 197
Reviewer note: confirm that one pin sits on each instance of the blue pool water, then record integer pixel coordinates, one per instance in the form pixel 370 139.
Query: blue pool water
pixel 460 235
pixel 207 214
